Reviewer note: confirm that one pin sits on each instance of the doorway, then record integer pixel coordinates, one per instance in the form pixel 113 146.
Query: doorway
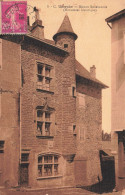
pixel 24 175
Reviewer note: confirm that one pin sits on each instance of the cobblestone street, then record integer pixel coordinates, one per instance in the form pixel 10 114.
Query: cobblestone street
pixel 64 191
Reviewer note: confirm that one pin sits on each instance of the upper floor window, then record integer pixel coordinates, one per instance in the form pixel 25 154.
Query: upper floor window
pixel 74 129
pixel 44 121
pixel 73 91
pixel 1 146
pixel 24 157
pixel 44 76
pixel 48 165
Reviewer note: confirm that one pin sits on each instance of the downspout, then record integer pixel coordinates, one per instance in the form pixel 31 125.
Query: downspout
pixel 109 25
pixel 20 103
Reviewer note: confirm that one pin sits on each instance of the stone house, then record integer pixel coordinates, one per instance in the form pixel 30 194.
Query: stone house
pixel 51 111
pixel 117 24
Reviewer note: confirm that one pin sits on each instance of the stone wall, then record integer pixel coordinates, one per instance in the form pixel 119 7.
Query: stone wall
pixel 10 112
pixel 89 132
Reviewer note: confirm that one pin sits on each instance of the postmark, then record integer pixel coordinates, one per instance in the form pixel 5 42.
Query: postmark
pixel 13 17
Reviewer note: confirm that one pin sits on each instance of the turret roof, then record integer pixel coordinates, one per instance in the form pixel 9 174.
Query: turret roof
pixel 65 27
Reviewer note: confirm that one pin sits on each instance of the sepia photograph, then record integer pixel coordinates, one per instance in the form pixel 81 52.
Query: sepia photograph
pixel 62 97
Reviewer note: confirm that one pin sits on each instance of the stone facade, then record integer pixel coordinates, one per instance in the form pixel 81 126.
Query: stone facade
pixel 51 112
pixel 117 90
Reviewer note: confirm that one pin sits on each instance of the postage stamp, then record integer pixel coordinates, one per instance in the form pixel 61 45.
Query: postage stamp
pixel 13 17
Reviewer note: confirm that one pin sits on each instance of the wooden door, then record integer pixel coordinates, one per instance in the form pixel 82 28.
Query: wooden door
pixel 24 175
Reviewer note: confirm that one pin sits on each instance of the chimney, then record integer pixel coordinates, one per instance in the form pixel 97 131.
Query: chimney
pixel 37 28
pixel 93 71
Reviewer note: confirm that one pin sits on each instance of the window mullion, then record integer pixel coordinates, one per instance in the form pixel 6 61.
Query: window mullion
pixel 43 123
pixel 43 166
pixel 52 165
pixel 44 76
pixel 49 165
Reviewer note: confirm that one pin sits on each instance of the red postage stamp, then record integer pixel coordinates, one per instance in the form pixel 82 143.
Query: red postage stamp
pixel 14 17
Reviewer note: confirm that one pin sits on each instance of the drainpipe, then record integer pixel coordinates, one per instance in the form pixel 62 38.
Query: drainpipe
pixel 109 25
pixel 20 103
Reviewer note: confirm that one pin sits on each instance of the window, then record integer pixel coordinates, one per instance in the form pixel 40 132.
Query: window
pixel 44 122
pixel 73 91
pixel 1 146
pixel 44 78
pixel 74 129
pixel 48 165
pixel 24 157
pixel 65 45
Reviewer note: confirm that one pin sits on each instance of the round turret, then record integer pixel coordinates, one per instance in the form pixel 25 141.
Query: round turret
pixel 65 36
pixel 65 28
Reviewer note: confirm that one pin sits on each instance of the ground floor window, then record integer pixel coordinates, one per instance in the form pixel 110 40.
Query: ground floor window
pixel 48 165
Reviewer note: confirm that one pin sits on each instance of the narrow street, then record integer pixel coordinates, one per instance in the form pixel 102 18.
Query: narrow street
pixel 65 191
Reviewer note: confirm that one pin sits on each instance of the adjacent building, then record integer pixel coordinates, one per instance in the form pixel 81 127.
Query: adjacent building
pixel 117 25
pixel 50 111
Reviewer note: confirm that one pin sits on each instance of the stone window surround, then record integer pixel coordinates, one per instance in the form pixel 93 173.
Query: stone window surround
pixel 48 166
pixel 44 122
pixel 44 75
pixel 25 157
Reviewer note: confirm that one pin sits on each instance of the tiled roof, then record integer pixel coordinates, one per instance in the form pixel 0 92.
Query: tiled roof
pixel 82 72
pixel 65 28
pixel 116 16
pixel 47 42
pixel 50 41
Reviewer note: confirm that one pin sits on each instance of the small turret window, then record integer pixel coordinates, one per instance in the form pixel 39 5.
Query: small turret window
pixel 65 45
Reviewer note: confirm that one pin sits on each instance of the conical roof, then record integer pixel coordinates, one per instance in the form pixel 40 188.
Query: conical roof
pixel 65 27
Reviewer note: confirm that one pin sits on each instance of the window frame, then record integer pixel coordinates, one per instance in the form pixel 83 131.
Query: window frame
pixel 45 121
pixel 25 158
pixel 44 76
pixel 47 168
